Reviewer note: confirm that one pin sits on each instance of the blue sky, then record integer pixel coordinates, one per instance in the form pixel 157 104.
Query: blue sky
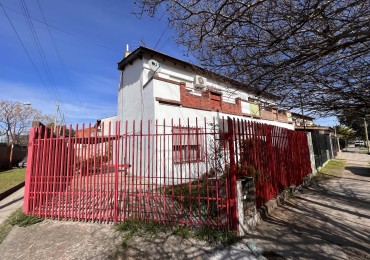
pixel 88 38
pixel 82 43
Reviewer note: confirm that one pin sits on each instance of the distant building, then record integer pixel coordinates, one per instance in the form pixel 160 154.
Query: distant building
pixel 301 120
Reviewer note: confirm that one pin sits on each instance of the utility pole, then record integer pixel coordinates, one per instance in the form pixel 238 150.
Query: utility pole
pixel 366 135
pixel 56 115
pixel 303 117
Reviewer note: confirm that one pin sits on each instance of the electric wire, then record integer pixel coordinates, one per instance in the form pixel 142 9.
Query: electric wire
pixel 27 53
pixel 64 31
pixel 160 38
pixel 41 52
pixel 60 59
pixel 39 49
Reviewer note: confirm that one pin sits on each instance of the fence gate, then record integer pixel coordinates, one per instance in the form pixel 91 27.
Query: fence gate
pixel 168 172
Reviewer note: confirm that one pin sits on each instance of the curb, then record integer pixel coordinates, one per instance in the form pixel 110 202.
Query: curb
pixel 13 189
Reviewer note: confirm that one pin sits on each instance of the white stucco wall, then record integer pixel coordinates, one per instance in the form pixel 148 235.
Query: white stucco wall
pixel 166 90
pixel 135 95
pixel 168 112
pixel 136 101
pixel 105 122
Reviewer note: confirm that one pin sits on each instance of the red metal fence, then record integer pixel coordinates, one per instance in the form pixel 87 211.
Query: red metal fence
pixel 169 172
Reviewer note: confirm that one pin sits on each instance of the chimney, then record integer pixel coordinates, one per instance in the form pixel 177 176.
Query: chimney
pixel 126 52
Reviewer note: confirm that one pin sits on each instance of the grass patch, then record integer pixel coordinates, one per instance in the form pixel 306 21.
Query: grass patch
pixel 131 228
pixel 334 168
pixel 16 218
pixel 213 236
pixel 335 164
pixel 11 178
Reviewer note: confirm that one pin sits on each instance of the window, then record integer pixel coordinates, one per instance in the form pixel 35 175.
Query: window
pixel 215 100
pixel 187 144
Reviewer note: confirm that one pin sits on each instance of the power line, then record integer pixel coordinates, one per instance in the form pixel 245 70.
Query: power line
pixel 160 38
pixel 64 31
pixel 24 48
pixel 57 52
pixel 40 50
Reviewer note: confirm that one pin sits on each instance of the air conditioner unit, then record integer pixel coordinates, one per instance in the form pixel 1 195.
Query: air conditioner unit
pixel 200 82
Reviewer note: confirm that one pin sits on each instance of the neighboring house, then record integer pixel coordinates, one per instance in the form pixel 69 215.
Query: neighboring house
pixel 155 86
pixel 109 125
pixel 324 141
pixel 97 129
pixel 301 120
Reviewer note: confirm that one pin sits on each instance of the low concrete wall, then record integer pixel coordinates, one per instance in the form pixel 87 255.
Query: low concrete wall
pixel 248 215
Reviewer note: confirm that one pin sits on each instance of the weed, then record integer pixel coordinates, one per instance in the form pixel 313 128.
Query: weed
pixel 22 220
pixel 181 231
pixel 16 218
pixel 193 196
pixel 215 236
pixel 131 228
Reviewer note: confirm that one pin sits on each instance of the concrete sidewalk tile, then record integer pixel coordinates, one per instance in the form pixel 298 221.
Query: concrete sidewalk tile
pixel 11 204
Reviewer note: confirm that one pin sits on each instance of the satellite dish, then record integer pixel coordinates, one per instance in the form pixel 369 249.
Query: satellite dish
pixel 154 65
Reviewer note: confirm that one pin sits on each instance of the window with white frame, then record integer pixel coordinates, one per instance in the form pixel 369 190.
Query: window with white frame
pixel 187 144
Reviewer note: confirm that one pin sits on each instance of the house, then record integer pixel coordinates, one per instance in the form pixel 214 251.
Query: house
pixel 182 104
pixel 300 120
pixel 108 123
pixel 156 86
pixel 324 142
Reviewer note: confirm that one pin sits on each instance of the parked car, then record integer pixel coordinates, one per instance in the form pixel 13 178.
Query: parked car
pixel 23 163
pixel 359 143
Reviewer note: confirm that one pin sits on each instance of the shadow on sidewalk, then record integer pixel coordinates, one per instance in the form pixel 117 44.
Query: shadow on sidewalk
pixel 10 203
pixel 358 170
pixel 324 221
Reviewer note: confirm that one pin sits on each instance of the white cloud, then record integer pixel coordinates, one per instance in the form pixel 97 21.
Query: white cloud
pixel 90 109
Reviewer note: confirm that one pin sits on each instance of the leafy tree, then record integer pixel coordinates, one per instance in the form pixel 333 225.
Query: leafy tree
pixel 345 132
pixel 356 122
pixel 16 120
pixel 318 50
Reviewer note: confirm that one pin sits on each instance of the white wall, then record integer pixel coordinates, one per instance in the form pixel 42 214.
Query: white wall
pixel 134 101
pixel 168 112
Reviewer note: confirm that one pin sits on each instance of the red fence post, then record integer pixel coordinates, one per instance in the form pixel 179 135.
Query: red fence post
pixel 29 169
pixel 233 168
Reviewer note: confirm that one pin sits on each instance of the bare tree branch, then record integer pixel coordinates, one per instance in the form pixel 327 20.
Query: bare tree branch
pixel 317 49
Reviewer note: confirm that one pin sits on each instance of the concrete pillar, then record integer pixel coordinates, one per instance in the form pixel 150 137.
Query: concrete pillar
pixel 331 148
pixel 312 154
pixel 246 202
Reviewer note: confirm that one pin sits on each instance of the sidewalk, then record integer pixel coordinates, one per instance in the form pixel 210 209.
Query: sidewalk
pixel 11 204
pixel 328 220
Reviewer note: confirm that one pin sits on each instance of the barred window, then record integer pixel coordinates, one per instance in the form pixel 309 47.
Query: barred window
pixel 187 144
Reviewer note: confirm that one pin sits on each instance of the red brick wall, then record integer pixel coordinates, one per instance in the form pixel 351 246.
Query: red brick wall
pixel 208 102
pixel 268 115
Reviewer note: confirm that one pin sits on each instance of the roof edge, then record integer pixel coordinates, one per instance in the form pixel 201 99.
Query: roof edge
pixel 139 52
